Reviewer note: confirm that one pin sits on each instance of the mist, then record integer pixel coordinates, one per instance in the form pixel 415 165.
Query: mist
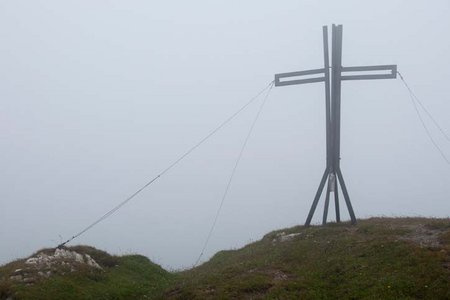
pixel 97 97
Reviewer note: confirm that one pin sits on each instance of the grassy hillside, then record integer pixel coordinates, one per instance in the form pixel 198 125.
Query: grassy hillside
pixel 377 259
pixel 380 258
pixel 122 277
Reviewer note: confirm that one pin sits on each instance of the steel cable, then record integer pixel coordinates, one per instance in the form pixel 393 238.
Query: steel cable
pixel 233 172
pixel 415 100
pixel 173 164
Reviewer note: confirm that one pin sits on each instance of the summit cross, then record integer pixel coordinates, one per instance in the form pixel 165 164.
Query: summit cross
pixel 332 77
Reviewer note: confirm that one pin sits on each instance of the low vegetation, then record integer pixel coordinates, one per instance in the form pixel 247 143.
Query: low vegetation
pixel 121 277
pixel 379 258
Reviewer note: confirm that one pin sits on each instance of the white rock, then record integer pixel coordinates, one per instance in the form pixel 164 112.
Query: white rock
pixel 16 278
pixel 32 261
pixel 91 262
pixel 78 257
pixel 61 257
pixel 289 237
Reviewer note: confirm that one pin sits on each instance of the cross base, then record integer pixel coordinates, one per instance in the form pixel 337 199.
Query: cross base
pixel 334 178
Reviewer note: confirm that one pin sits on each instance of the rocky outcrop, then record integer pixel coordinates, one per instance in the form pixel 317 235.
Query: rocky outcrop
pixel 61 261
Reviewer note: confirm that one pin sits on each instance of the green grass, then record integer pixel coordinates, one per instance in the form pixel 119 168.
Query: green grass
pixel 371 260
pixel 125 277
pixel 379 258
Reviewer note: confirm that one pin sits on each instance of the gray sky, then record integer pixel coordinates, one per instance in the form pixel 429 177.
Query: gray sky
pixel 97 97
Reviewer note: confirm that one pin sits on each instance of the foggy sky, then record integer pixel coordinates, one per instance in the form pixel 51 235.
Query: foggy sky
pixel 97 97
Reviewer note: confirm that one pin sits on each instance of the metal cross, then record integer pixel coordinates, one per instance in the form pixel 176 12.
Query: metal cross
pixel 332 76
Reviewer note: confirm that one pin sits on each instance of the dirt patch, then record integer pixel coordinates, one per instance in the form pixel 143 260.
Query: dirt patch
pixel 280 276
pixel 424 236
pixel 276 275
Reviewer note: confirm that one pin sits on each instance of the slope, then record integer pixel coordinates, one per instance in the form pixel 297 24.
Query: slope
pixel 48 274
pixel 380 258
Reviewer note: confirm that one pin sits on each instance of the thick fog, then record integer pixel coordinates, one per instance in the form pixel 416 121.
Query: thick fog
pixel 98 97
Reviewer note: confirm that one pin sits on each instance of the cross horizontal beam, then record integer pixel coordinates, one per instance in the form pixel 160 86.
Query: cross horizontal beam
pixel 299 74
pixel 391 74
pixel 279 82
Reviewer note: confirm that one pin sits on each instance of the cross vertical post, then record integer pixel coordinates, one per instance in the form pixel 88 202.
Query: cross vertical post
pixel 332 80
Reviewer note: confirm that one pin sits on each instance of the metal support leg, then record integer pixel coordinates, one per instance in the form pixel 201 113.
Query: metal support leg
pixel 327 203
pixel 336 200
pixel 346 197
pixel 317 197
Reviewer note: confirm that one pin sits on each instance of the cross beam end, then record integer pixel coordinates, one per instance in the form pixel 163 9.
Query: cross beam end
pixel 299 77
pixel 372 75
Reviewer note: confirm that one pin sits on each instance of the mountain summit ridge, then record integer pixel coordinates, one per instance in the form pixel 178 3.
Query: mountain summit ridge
pixel 378 258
